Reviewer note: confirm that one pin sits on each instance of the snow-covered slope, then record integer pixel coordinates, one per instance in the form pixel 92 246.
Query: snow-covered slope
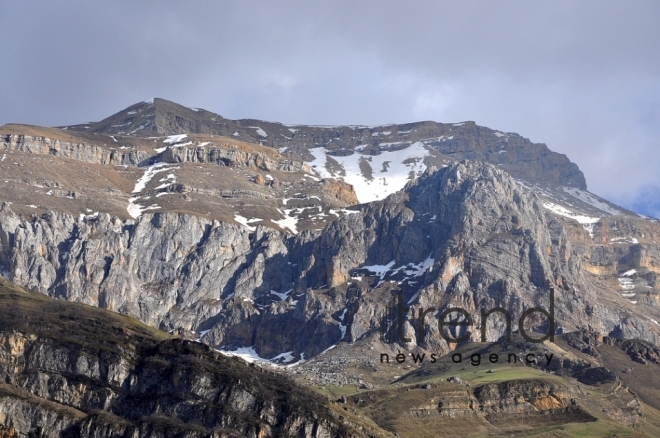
pixel 373 177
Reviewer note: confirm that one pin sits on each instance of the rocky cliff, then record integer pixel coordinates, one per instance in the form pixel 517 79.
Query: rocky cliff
pixel 467 234
pixel 71 370
pixel 254 239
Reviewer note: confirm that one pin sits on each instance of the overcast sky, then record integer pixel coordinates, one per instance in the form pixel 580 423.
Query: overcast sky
pixel 582 77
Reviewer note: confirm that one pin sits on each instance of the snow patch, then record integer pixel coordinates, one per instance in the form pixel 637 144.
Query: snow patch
pixel 390 170
pixel 587 222
pixel 173 139
pixel 626 283
pixel 281 296
pixel 379 270
pixel 418 269
pixel 245 221
pixel 342 325
pixel 168 181
pixel 284 357
pixel 250 355
pixel 289 222
pixel 591 199
pixel 260 131
pixel 342 210
pixel 136 210
pixel 149 174
pixel 630 240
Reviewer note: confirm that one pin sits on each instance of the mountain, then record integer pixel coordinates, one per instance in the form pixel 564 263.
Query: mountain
pixel 292 244
pixel 455 141
pixel 72 370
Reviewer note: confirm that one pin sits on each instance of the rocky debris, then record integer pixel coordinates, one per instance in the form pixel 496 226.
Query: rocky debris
pixel 640 351
pixel 585 341
pixel 340 190
pixel 259 179
pixel 595 375
pixel 454 379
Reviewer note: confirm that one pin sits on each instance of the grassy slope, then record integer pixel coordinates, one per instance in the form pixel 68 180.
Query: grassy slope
pixel 393 407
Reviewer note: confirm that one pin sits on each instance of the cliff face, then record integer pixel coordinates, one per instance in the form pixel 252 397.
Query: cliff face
pixel 254 246
pixel 70 370
pixel 467 234
pixel 227 154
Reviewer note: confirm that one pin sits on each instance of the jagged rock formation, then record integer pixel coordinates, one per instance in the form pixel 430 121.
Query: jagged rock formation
pixel 71 370
pixel 467 234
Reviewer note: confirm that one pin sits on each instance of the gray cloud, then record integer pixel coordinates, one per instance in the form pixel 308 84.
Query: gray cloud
pixel 583 77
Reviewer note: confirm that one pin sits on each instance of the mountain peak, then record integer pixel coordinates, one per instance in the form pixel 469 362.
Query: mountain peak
pixel 155 116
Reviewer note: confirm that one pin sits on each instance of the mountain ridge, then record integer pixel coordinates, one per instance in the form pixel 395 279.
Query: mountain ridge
pixel 271 232
pixel 163 117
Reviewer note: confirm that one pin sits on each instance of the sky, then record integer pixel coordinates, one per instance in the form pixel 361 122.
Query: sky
pixel 582 77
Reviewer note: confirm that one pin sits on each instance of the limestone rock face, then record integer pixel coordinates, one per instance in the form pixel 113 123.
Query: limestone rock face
pixel 70 370
pixel 466 235
pixel 80 151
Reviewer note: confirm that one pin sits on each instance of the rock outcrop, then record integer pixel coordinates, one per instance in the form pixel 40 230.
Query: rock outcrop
pixel 71 370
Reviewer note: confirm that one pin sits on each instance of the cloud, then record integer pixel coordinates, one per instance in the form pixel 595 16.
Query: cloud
pixel 583 78
pixel 647 201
